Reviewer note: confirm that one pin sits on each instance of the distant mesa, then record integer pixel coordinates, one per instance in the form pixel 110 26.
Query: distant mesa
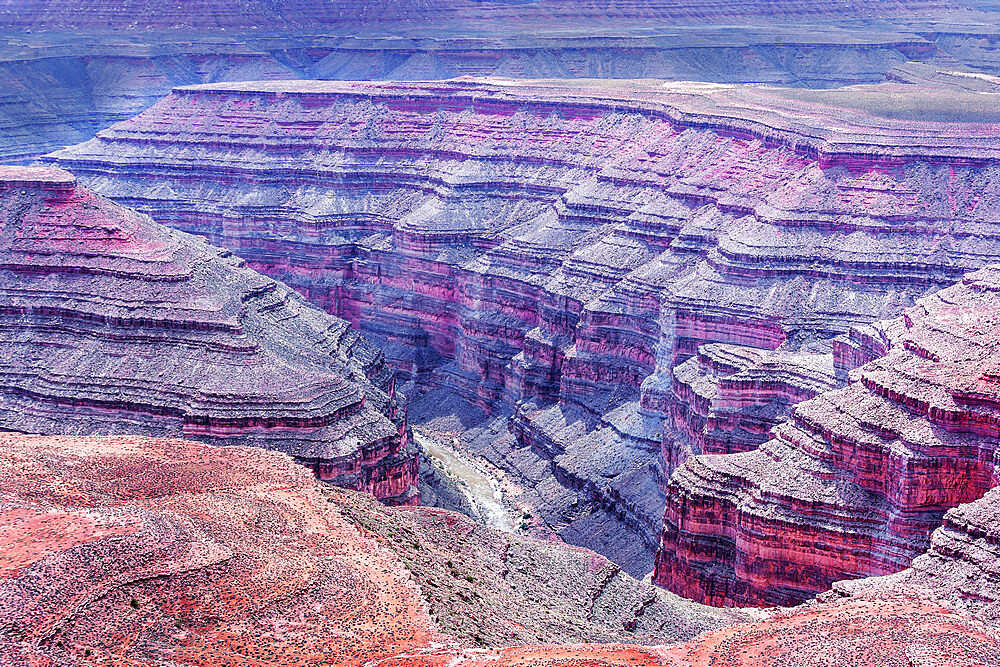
pixel 114 324
pixel 302 14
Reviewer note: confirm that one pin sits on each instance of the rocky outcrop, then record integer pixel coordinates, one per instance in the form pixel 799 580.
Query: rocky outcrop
pixel 163 552
pixel 489 588
pixel 856 481
pixel 552 252
pixel 895 628
pixel 960 566
pixel 110 323
pixel 173 552
pixel 727 398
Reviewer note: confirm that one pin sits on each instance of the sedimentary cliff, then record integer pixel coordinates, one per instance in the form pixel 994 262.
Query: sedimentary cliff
pixel 156 552
pixel 960 565
pixel 110 323
pixel 555 252
pixel 856 481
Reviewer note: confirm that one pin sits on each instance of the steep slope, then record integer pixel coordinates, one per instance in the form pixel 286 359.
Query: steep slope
pixel 154 552
pixel 960 566
pixel 488 588
pixel 110 323
pixel 856 481
pixel 554 252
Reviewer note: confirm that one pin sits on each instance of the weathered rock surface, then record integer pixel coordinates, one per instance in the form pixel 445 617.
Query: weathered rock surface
pixel 150 552
pixel 856 481
pixel 168 552
pixel 960 566
pixel 553 253
pixel 896 628
pixel 488 588
pixel 110 323
pixel 727 398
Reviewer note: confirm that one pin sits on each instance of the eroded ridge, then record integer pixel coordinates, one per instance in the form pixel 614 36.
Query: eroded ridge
pixel 151 552
pixel 854 483
pixel 148 552
pixel 110 323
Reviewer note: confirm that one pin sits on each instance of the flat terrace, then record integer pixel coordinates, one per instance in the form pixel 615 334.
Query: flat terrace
pixel 953 117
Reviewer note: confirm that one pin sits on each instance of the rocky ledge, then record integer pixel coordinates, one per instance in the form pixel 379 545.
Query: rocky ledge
pixel 552 252
pixel 961 566
pixel 154 552
pixel 854 483
pixel 110 323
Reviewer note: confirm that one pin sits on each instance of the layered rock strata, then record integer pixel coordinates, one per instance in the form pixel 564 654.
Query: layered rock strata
pixel 110 323
pixel 552 251
pixel 155 552
pixel 727 398
pixel 960 566
pixel 854 483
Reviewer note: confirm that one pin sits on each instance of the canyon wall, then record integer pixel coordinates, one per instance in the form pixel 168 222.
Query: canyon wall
pixel 960 566
pixel 622 274
pixel 110 323
pixel 854 483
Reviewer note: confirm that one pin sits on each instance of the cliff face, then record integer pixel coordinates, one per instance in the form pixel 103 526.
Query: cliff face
pixel 154 552
pixel 114 324
pixel 960 565
pixel 557 252
pixel 856 481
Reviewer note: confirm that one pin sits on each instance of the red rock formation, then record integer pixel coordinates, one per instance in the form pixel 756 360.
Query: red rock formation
pixel 899 628
pixel 150 551
pixel 140 551
pixel 110 323
pixel 960 566
pixel 558 249
pixel 856 481
pixel 727 398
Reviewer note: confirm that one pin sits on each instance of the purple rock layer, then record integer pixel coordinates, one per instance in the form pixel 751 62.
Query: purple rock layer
pixel 112 324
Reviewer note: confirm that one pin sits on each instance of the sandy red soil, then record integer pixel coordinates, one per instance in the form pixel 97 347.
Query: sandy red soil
pixel 135 551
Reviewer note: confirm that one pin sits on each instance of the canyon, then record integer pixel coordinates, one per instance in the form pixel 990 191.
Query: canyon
pixel 500 332
pixel 110 323
pixel 600 278
pixel 150 551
